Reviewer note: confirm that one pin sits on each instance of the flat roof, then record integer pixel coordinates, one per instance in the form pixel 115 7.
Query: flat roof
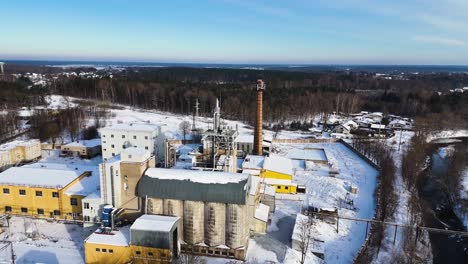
pixel 278 164
pixel 310 154
pixel 198 176
pixel 253 162
pixel 119 237
pixel 42 177
pixel 85 143
pixel 156 223
pixel 146 127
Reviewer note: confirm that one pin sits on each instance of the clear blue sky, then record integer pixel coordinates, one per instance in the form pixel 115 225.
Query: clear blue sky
pixel 238 31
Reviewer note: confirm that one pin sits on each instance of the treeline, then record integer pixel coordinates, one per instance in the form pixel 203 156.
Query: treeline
pixel 16 94
pixel 289 95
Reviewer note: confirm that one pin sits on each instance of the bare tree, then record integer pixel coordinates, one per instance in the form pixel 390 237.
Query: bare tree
pixel 305 236
pixel 184 127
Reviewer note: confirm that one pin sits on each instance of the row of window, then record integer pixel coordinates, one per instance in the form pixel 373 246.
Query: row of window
pixel 104 250
pixel 23 192
pixel 24 210
pixel 150 254
pixel 123 136
pixel 279 187
pixel 123 146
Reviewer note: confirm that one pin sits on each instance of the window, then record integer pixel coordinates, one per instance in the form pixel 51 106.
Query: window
pixel 6 191
pixel 104 142
pixel 103 135
pixel 98 250
pixel 123 146
pixel 113 154
pixel 134 137
pixel 146 147
pixel 40 211
pixel 24 210
pixel 123 136
pixel 73 201
pixel 129 156
pixel 286 187
pixel 278 187
pixel 104 250
pixel 86 205
pixel 138 252
pixel 22 192
pixel 86 218
pixel 57 212
pixel 111 251
pixel 112 146
pixel 146 137
pixel 7 208
pixel 39 193
pixel 150 254
pixel 112 136
pixel 55 195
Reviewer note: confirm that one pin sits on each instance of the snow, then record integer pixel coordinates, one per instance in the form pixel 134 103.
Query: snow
pixel 12 144
pixel 154 223
pixel 271 181
pixel 119 237
pixel 279 164
pixel 261 212
pixel 447 134
pixel 206 177
pixel 44 177
pixel 307 154
pixel 135 126
pixel 253 162
pixel 85 143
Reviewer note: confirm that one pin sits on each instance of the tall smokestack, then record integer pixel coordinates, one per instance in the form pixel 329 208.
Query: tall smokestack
pixel 258 136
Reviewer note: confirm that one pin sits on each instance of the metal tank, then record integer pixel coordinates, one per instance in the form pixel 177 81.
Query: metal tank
pixel 215 224
pixel 237 225
pixel 194 222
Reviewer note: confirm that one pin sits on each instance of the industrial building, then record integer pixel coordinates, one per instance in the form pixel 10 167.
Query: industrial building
pixel 150 239
pixel 120 175
pixel 18 152
pixel 45 192
pixel 82 148
pixel 120 136
pixel 213 207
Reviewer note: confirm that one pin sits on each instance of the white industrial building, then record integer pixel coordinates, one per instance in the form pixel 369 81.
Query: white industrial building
pixel 118 137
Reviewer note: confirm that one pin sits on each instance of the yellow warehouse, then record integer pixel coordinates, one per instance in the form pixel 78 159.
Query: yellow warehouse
pixel 42 192
pixel 152 239
pixel 278 171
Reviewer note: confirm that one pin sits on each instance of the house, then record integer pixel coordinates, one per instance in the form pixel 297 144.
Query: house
pixel 82 148
pixel 19 151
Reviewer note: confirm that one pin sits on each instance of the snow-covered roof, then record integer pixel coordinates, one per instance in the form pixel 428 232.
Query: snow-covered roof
pixel 261 212
pixel 198 176
pixel 298 229
pixel 307 154
pixel 154 223
pixel 10 145
pixel 96 195
pixel 85 143
pixel 144 127
pixel 278 164
pixel 268 189
pixel 251 172
pixel 271 181
pixel 119 237
pixel 253 162
pixel 49 178
pixel 377 126
pixel 85 186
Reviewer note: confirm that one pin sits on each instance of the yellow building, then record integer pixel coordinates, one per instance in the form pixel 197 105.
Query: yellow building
pixel 277 171
pixel 42 192
pixel 151 239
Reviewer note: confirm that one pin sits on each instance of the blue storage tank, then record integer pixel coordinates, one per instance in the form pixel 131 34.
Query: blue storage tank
pixel 106 216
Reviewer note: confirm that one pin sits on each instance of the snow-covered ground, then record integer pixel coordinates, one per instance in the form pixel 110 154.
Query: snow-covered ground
pixel 462 209
pixel 323 191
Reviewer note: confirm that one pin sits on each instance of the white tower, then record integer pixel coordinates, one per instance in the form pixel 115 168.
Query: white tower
pixel 216 116
pixel 1 67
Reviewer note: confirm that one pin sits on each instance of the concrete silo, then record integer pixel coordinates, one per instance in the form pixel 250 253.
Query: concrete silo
pixel 215 224
pixel 194 222
pixel 237 225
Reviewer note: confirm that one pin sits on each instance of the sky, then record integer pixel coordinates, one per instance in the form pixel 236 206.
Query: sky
pixel 237 31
